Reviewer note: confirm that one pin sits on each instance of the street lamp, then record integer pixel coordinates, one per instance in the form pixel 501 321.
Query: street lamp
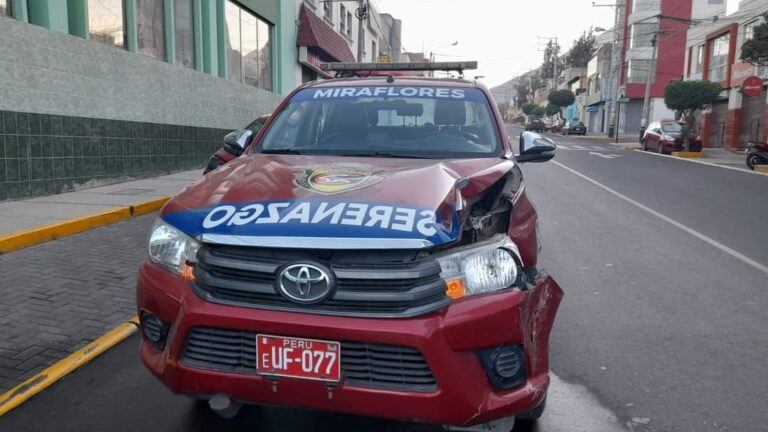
pixel 432 53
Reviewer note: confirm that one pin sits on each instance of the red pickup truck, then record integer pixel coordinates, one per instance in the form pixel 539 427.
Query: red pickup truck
pixel 372 252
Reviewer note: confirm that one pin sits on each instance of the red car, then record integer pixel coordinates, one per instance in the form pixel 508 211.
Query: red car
pixel 666 136
pixel 235 143
pixel 373 253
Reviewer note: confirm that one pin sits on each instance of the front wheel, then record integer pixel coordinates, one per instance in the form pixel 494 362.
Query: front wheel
pixel 752 160
pixel 645 146
pixel 660 148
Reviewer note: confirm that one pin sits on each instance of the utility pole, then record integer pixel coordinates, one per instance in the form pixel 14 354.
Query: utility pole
pixel 554 64
pixel 649 80
pixel 616 63
pixel 361 13
pixel 556 49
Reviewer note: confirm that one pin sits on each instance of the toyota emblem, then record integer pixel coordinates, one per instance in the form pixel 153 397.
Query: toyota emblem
pixel 305 283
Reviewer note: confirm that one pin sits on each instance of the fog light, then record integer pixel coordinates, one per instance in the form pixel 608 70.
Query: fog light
pixel 154 330
pixel 504 365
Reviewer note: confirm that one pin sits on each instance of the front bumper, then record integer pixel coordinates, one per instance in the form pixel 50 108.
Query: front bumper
pixel 449 341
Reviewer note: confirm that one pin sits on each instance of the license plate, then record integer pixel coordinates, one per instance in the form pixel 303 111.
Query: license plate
pixel 298 358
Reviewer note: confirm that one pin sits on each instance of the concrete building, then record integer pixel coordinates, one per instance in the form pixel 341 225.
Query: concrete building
pixel 328 32
pixel 713 50
pixel 665 63
pixel 596 116
pixel 96 91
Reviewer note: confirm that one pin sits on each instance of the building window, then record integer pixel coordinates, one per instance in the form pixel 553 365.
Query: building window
pixel 638 71
pixel 343 20
pixel 645 5
pixel 328 10
pixel 5 7
pixel 249 48
pixel 718 58
pixel 698 59
pixel 233 44
pixel 184 33
pixel 749 29
pixel 642 35
pixel 106 22
pixel 349 23
pixel 150 24
pixel 374 52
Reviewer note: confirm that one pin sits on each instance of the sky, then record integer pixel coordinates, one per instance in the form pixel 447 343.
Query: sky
pixel 502 35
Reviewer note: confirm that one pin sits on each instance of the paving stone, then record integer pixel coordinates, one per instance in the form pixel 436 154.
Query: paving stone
pixel 59 296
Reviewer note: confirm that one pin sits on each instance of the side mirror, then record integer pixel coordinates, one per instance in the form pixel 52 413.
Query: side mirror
pixel 235 142
pixel 535 148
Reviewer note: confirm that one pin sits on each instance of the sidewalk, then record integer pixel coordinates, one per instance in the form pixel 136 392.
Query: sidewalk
pixel 62 295
pixel 24 214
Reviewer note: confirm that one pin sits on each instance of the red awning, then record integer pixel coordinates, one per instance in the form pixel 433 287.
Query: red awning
pixel 314 33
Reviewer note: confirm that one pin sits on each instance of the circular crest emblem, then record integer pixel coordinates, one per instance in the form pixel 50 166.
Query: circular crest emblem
pixel 305 283
pixel 337 178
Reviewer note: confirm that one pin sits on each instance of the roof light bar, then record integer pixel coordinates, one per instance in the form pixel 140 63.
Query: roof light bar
pixel 423 66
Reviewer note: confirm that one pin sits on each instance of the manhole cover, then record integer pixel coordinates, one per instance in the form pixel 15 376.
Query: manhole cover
pixel 134 191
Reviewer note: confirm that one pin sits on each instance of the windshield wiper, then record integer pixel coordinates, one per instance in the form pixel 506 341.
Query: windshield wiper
pixel 282 151
pixel 385 155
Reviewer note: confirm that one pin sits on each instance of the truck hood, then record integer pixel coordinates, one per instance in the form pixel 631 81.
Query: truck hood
pixel 332 202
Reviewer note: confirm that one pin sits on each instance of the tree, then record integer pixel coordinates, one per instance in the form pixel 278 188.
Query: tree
pixel 528 108
pixel 552 109
pixel 755 50
pixel 561 99
pixel 538 111
pixel 583 50
pixel 688 97
pixel 551 54
pixel 503 108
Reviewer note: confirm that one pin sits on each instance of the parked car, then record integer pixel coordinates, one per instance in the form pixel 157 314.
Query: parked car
pixel 374 253
pixel 556 126
pixel 234 144
pixel 574 128
pixel 535 124
pixel 666 136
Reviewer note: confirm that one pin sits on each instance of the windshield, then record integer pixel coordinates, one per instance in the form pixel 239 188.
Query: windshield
pixel 421 122
pixel 671 127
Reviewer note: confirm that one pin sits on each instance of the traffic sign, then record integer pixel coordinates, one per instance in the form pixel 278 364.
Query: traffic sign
pixel 622 100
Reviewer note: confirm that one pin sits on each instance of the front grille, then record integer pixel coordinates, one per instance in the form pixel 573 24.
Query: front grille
pixel 362 364
pixel 369 283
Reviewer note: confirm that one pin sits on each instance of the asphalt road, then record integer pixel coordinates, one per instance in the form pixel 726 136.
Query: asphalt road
pixel 663 327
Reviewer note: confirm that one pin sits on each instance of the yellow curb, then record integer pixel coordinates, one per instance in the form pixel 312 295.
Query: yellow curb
pixel 32 236
pixel 761 169
pixel 34 385
pixel 24 238
pixel 688 154
pixel 149 206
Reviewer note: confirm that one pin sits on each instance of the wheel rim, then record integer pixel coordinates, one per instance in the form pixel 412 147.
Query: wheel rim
pixel 660 148
pixel 752 160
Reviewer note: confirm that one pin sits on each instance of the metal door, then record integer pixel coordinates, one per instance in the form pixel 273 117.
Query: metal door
pixel 752 115
pixel 717 121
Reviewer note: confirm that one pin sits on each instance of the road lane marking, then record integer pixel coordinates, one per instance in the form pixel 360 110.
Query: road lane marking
pixel 712 242
pixel 580 147
pixel 605 156
pixel 701 162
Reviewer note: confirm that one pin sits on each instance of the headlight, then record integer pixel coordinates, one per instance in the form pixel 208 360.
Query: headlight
pixel 172 248
pixel 486 268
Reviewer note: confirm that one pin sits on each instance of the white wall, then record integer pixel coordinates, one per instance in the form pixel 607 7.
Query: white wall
pixel 659 110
